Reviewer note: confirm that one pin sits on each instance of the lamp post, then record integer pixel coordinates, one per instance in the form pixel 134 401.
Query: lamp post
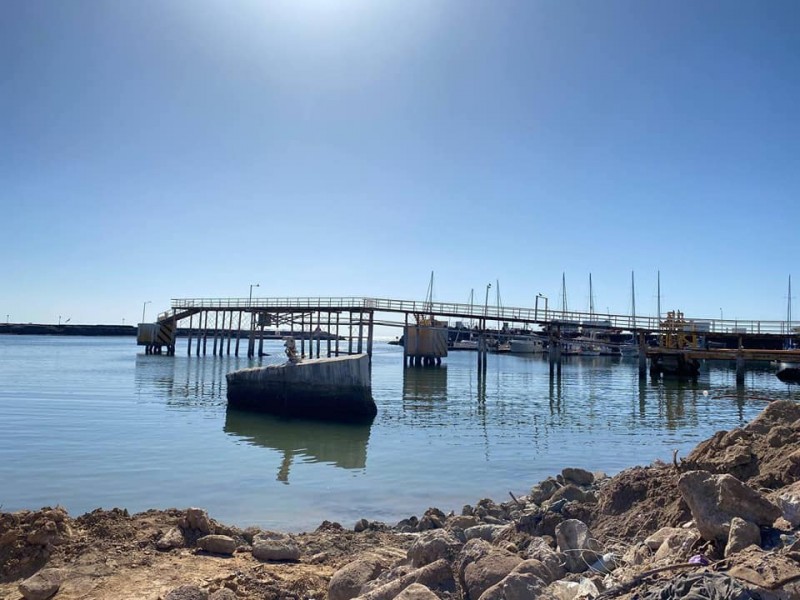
pixel 144 307
pixel 486 302
pixel 59 320
pixel 252 285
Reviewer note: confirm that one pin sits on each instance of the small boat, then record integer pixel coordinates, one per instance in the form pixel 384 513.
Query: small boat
pixel 464 345
pixel 789 375
pixel 526 345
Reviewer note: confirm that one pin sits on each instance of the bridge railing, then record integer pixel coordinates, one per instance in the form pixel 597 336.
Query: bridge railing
pixel 488 313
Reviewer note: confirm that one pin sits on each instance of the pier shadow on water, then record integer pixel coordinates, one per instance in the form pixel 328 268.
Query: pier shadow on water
pixel 342 445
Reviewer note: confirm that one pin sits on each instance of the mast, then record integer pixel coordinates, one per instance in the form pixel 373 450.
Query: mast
pixel 789 343
pixel 591 299
pixel 471 300
pixel 633 300
pixel 563 292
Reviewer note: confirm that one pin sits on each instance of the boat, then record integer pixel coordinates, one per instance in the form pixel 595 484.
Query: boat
pixel 463 345
pixel 789 375
pixel 527 345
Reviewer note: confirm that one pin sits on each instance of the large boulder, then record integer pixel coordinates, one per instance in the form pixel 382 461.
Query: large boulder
pixel 539 550
pixel 416 591
pixel 576 542
pixel 437 575
pixel 42 585
pixel 346 583
pixel 217 544
pixel 433 545
pixel 488 570
pixel 577 476
pixel 275 547
pixel 716 499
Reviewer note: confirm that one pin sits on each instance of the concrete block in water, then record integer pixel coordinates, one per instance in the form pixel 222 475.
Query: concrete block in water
pixel 327 388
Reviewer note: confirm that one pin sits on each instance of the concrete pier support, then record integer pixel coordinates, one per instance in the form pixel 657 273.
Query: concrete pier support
pixel 189 340
pixel 739 369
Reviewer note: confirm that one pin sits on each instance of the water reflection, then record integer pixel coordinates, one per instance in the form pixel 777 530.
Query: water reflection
pixel 424 388
pixel 342 445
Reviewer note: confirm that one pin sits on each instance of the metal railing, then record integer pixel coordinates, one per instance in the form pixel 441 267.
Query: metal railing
pixel 471 312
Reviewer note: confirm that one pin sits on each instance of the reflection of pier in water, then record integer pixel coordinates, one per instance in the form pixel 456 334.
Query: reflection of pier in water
pixel 343 445
pixel 424 387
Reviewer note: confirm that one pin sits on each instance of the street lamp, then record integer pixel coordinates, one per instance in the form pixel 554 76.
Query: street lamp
pixel 144 306
pixel 252 285
pixel 486 302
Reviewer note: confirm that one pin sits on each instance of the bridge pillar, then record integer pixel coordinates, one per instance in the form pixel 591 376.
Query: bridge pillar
pixel 739 368
pixel 642 356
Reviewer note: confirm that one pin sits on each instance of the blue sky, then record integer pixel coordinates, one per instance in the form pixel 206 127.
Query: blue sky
pixel 155 150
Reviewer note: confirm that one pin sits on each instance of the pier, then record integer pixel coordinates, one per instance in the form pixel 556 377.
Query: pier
pixel 335 326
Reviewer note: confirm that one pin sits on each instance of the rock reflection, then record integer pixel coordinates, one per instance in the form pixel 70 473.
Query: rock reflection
pixel 342 445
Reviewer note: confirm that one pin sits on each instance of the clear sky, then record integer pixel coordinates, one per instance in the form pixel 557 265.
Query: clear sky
pixel 152 150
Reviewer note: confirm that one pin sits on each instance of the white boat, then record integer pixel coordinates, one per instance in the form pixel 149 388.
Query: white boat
pixel 464 345
pixel 526 345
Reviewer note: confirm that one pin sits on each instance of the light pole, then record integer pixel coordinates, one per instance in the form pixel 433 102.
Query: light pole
pixel 252 285
pixel 144 307
pixel 59 320
pixel 486 303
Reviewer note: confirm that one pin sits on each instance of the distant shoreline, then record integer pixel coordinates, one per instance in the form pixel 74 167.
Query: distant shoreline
pixel 45 329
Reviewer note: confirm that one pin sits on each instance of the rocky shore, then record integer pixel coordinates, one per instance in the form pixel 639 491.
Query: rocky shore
pixel 722 522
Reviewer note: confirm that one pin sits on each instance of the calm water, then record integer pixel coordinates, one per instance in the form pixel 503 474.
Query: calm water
pixel 93 422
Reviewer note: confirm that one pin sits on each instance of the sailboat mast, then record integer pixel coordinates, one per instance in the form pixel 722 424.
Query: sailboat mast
pixel 633 300
pixel 789 306
pixel 563 292
pixel 591 298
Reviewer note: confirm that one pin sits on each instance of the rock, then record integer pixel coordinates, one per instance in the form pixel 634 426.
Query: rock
pixel 543 490
pixel 461 522
pixel 677 546
pixel 515 586
pixel 172 539
pixel 742 534
pixel 541 570
pixel 433 545
pixel 217 544
pixel 187 592
pixel 715 499
pixel 274 546
pixel 197 519
pixel 570 493
pixel 488 570
pixel 788 500
pixel 577 476
pixel 416 591
pixel 436 575
pixel 42 585
pixel 567 590
pixel 655 540
pixel 540 551
pixel 484 532
pixel 432 519
pixel 361 525
pixel 575 541
pixel 636 554
pixel 346 583
pixel 223 594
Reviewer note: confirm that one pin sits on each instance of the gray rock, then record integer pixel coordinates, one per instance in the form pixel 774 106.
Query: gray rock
pixel 275 546
pixel 678 545
pixel 197 518
pixel 548 573
pixel 788 499
pixel 484 532
pixel 575 541
pixel 515 586
pixel 172 539
pixel 461 522
pixel 715 499
pixel 487 571
pixel 217 544
pixel 577 476
pixel 436 575
pixel 543 490
pixel 347 582
pixel 416 591
pixel 570 493
pixel 42 585
pixel 655 540
pixel 433 545
pixel 539 551
pixel 742 534
pixel 223 594
pixel 361 525
pixel 187 592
